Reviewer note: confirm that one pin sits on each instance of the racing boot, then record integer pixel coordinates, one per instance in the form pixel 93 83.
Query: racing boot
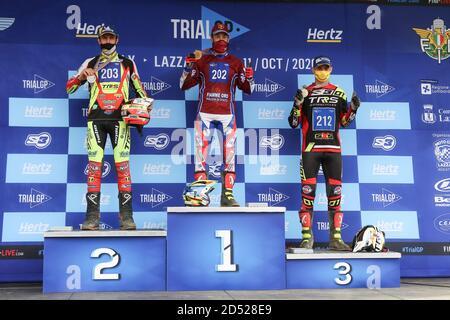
pixel 126 211
pixel 92 219
pixel 307 240
pixel 306 218
pixel 336 242
pixel 227 198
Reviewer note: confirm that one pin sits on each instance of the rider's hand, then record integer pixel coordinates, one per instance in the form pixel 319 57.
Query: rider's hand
pixel 355 102
pixel 86 73
pixel 249 73
pixel 190 60
pixel 300 96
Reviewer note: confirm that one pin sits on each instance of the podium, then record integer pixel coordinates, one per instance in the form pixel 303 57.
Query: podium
pixel 206 248
pixel 225 248
pixel 76 261
pixel 332 269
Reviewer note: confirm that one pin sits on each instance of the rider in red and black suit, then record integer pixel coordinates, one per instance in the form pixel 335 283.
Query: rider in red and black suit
pixel 217 73
pixel 321 108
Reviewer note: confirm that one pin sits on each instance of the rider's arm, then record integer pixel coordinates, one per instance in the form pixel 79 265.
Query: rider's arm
pixel 136 83
pixel 77 80
pixel 348 113
pixel 244 83
pixel 190 76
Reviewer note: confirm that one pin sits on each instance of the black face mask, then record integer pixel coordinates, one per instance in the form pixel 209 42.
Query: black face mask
pixel 107 46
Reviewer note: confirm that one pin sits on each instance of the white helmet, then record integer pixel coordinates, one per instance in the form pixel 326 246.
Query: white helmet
pixel 196 194
pixel 369 238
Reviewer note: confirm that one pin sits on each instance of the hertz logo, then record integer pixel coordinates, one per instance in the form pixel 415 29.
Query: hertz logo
pixel 331 35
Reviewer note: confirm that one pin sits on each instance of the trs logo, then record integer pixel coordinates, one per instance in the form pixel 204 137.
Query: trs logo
pixel 274 142
pixel 387 143
pixel 40 140
pixel 159 142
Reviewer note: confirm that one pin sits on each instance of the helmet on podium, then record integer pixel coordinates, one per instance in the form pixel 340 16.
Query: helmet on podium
pixel 196 194
pixel 369 238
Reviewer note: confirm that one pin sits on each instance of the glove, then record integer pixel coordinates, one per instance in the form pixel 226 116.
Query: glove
pixel 249 73
pixel 300 96
pixel 190 60
pixel 295 112
pixel 355 102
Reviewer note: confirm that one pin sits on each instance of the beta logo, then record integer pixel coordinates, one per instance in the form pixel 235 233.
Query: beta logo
pixel 159 142
pixel 39 141
pixel 443 185
pixel 442 223
pixel 387 143
pixel 274 142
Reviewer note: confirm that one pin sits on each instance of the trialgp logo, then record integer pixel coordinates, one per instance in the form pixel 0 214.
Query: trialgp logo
pixel 435 41
pixel 34 198
pixel 183 28
pixel 38 84
pixel 269 87
pixel 82 29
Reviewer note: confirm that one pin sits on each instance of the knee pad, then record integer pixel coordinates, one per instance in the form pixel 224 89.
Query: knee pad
pixel 94 176
pixel 123 176
pixel 308 193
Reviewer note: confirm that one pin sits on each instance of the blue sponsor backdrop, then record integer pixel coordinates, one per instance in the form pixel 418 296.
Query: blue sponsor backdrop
pixel 396 155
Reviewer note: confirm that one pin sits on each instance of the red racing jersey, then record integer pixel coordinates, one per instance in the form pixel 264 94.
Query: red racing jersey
pixel 217 77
